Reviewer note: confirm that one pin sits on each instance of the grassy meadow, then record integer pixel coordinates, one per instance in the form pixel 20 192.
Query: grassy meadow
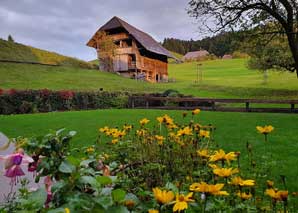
pixel 221 79
pixel 233 131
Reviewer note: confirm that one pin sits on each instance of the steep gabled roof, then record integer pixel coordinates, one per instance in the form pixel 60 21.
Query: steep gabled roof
pixel 143 38
pixel 195 54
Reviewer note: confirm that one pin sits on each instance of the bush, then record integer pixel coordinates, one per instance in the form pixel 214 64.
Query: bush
pixel 29 101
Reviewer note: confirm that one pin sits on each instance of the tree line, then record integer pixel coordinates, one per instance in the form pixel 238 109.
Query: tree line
pixel 219 45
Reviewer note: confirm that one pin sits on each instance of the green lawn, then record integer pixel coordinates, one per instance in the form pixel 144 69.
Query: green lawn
pixel 233 131
pixel 221 79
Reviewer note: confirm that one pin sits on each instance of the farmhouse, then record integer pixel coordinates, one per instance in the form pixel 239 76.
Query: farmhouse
pixel 137 54
pixel 195 56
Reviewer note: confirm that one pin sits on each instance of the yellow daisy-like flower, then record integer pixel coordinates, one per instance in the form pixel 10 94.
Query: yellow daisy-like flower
pixel 244 195
pixel 114 141
pixel 181 202
pixel 153 211
pixel 208 189
pixel 66 210
pixel 90 150
pixel 277 195
pixel 185 131
pixel 203 153
pixel 238 181
pixel 127 127
pixel 221 155
pixel 225 172
pixel 265 129
pixel 159 139
pixel 104 129
pixel 141 132
pixel 144 121
pixel 129 204
pixel 163 196
pixel 204 133
pixel 196 111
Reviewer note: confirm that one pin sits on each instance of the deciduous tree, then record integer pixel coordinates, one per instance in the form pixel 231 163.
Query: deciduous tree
pixel 217 15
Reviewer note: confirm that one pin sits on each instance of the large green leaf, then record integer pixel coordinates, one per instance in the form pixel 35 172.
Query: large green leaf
pixel 118 195
pixel 117 209
pixel 66 167
pixel 104 180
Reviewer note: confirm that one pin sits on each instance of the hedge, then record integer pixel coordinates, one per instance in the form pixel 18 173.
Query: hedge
pixel 30 101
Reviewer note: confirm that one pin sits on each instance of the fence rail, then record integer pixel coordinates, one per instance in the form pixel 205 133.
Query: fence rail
pixel 212 104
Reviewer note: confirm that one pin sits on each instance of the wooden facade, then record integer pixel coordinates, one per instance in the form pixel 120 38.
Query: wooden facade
pixel 137 55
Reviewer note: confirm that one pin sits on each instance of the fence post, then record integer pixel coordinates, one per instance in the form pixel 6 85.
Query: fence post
pixel 132 102
pixel 147 104
pixel 292 107
pixel 247 106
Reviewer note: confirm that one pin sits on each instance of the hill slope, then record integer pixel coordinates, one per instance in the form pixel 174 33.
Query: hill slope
pixel 221 79
pixel 12 51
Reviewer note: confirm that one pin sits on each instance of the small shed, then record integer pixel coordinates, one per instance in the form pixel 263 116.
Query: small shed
pixel 227 56
pixel 195 56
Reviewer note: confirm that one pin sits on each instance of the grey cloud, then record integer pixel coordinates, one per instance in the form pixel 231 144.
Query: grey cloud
pixel 64 26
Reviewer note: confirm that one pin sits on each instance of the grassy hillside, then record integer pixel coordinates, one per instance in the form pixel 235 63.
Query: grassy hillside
pixel 233 130
pixel 19 52
pixel 177 55
pixel 221 78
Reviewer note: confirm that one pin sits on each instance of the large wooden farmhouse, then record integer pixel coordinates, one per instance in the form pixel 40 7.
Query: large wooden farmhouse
pixel 137 54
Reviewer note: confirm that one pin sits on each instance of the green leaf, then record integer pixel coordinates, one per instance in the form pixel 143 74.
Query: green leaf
pixel 104 201
pixel 85 163
pixel 118 209
pixel 118 195
pixel 66 167
pixel 104 180
pixel 58 210
pixel 89 180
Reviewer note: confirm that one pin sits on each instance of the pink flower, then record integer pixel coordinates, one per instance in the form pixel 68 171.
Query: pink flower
pixel 13 164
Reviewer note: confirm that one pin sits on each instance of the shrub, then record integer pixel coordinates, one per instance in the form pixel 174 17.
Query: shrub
pixel 29 101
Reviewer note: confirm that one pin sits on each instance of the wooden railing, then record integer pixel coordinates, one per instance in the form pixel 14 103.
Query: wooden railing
pixel 213 104
pixel 153 65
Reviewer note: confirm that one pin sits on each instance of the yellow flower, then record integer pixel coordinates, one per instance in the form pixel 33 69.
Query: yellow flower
pixel 114 141
pixel 184 131
pixel 104 129
pixel 159 139
pixel 127 127
pixel 225 172
pixel 66 210
pixel 265 129
pixel 244 196
pixel 144 121
pixel 238 181
pixel 196 111
pixel 163 196
pixel 153 211
pixel 203 153
pixel 221 155
pixel 129 204
pixel 277 195
pixel 204 133
pixel 90 150
pixel 141 132
pixel 181 202
pixel 208 189
pixel 270 184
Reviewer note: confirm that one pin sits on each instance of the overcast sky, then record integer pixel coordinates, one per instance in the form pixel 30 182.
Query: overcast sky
pixel 65 26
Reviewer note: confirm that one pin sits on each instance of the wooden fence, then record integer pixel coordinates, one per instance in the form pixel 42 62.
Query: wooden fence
pixel 213 104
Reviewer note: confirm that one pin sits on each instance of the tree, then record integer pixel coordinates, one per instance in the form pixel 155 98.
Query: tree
pixel 106 51
pixel 247 14
pixel 10 39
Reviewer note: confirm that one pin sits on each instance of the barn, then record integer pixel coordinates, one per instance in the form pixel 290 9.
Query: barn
pixel 137 54
pixel 195 56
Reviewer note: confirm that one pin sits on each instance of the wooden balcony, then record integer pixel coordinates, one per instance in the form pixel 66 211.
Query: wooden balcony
pixel 153 65
pixel 126 50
